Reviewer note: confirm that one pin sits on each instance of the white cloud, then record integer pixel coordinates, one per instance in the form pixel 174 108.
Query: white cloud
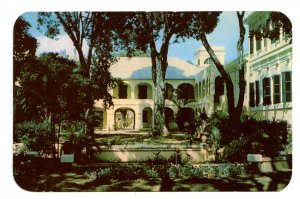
pixel 61 43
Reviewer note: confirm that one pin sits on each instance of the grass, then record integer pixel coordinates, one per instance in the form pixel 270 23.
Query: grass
pixel 70 181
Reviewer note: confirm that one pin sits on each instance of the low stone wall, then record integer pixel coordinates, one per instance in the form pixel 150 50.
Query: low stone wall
pixel 267 164
pixel 140 155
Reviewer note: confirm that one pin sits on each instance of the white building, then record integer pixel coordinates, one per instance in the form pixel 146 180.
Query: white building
pixel 268 77
pixel 269 73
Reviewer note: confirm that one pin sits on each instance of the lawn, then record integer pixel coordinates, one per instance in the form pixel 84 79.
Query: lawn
pixel 71 181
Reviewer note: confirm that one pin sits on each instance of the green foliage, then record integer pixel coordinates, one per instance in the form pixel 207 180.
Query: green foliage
pixel 185 120
pixel 151 27
pixel 92 74
pixel 24 46
pixel 280 22
pixel 236 151
pixel 121 172
pixel 210 172
pixel 35 136
pixel 165 172
pixel 248 136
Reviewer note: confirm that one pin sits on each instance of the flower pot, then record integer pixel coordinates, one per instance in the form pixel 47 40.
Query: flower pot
pixel 203 138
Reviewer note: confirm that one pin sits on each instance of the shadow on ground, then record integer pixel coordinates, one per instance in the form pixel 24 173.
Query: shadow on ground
pixel 275 181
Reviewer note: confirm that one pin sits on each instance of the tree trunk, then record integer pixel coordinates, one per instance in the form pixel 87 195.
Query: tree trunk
pixel 158 76
pixel 52 130
pixel 240 49
pixel 225 76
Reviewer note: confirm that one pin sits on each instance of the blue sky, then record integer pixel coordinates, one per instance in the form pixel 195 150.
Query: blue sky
pixel 225 34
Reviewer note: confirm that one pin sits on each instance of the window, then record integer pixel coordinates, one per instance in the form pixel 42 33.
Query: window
pixel 145 116
pixel 208 61
pixel 275 35
pixel 122 91
pixel 251 45
pixel 169 91
pixel 266 91
pixel 276 89
pixel 287 87
pixel 251 94
pixel 200 90
pixel 257 99
pixel 143 92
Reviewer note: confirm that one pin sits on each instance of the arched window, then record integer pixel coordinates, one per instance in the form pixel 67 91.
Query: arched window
pixel 186 91
pixel 219 89
pixel 147 117
pixel 200 90
pixel 204 88
pixel 143 91
pixel 196 91
pixel 208 61
pixel 122 91
pixel 207 87
pixel 169 91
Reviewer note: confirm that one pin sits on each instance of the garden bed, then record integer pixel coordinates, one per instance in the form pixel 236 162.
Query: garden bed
pixel 144 154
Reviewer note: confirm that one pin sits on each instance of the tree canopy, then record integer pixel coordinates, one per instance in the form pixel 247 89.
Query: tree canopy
pixel 24 46
pixel 154 32
pixel 94 28
pixel 276 22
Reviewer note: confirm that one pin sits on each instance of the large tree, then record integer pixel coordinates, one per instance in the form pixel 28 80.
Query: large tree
pixel 24 46
pixel 24 49
pixel 234 110
pixel 94 29
pixel 155 31
pixel 45 91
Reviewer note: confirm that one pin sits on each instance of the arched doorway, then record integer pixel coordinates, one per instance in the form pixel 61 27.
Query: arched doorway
pixel 219 89
pixel 147 117
pixel 100 119
pixel 184 115
pixel 170 119
pixel 124 119
pixel 186 91
pixel 169 91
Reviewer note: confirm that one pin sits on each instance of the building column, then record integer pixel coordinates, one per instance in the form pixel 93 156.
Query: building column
pixel 138 120
pixel 132 85
pixel 110 119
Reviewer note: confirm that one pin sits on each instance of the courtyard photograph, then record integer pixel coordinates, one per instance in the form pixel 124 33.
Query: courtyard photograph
pixel 152 101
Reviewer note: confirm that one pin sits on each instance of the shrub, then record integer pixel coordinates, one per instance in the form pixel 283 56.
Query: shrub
pixel 122 172
pixel 184 116
pixel 248 136
pixel 236 151
pixel 35 136
pixel 209 171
